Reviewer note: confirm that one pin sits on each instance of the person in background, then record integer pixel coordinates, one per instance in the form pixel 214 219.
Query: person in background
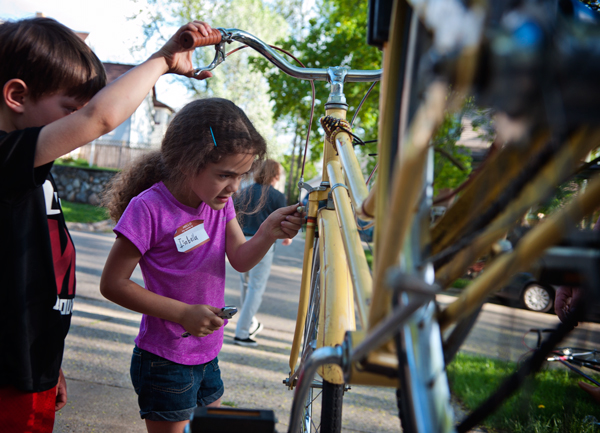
pixel 257 202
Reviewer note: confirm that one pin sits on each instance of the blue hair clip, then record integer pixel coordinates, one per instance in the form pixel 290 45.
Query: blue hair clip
pixel 213 136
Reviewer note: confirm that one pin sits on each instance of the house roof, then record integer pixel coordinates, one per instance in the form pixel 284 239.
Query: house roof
pixel 115 70
pixel 159 104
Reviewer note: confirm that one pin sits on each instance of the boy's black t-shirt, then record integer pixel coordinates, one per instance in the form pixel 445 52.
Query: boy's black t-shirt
pixel 249 199
pixel 37 268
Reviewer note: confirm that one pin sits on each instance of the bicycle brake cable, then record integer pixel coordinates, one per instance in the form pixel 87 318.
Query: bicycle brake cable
pixel 312 108
pixel 362 102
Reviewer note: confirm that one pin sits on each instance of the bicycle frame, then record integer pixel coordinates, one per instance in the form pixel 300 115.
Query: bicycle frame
pixel 368 346
pixel 342 256
pixel 367 355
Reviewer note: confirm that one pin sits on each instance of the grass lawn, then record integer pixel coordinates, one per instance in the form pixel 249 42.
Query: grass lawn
pixel 79 162
pixel 83 213
pixel 369 257
pixel 550 402
pixel 460 283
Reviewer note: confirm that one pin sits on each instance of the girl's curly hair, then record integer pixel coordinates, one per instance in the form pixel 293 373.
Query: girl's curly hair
pixel 187 147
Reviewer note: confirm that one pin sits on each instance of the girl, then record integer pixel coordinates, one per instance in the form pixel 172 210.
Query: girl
pixel 175 217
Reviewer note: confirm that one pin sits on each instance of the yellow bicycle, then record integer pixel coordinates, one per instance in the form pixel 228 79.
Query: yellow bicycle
pixel 383 326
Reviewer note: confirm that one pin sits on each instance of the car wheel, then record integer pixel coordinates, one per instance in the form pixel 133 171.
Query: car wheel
pixel 536 297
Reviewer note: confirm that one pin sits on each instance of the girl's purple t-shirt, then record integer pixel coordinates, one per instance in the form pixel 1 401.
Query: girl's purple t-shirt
pixel 183 257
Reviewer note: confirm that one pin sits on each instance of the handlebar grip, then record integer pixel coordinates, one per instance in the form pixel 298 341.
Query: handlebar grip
pixel 191 39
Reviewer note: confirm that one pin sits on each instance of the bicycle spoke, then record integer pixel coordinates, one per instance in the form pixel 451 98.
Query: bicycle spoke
pixel 317 396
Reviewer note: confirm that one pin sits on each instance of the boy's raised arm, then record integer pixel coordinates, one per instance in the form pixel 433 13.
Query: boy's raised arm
pixel 117 101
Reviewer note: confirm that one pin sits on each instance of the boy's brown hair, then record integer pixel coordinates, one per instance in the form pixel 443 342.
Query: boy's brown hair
pixel 49 58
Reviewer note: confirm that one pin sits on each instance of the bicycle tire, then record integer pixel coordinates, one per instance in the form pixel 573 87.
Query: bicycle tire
pixel 423 396
pixel 330 394
pixel 405 413
pixel 409 371
pixel 331 407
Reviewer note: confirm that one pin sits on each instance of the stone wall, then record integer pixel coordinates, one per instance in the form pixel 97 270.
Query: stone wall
pixel 81 185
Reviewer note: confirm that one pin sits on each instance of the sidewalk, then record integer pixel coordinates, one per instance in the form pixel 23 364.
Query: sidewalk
pixel 99 345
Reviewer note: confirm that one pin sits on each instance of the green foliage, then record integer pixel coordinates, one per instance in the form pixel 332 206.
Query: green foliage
pixel 369 256
pixel 83 213
pixel 460 283
pixel 80 162
pixel 562 195
pixel 234 79
pixel 73 162
pixel 310 172
pixel 336 38
pixel 550 402
pixel 452 163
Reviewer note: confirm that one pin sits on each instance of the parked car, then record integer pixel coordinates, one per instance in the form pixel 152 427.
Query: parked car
pixel 526 292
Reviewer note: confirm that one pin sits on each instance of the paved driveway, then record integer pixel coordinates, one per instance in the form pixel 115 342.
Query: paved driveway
pixel 99 346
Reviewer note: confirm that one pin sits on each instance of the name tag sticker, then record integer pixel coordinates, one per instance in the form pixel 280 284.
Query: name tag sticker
pixel 190 236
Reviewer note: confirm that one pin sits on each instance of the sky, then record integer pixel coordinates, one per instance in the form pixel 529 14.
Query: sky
pixel 111 34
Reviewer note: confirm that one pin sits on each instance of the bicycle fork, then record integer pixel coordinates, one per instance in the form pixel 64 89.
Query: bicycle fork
pixel 415 318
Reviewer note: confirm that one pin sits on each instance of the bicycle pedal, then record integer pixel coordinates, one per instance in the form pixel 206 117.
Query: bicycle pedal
pixel 231 420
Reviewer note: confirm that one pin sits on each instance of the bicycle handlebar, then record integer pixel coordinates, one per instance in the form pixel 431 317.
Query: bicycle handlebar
pixel 191 39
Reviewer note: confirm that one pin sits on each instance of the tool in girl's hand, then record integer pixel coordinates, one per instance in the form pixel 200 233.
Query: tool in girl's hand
pixel 227 312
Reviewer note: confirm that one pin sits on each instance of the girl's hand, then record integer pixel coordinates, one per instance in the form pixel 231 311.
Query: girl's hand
pixel 179 60
pixel 201 320
pixel 284 223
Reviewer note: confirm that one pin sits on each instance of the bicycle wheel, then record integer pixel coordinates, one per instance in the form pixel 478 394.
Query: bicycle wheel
pixel 423 397
pixel 419 342
pixel 323 395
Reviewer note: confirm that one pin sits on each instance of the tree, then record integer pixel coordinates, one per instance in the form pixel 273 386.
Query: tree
pixel 337 37
pixel 234 79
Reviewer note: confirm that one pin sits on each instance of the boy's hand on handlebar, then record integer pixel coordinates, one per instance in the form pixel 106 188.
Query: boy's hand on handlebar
pixel 284 223
pixel 179 59
pixel 201 320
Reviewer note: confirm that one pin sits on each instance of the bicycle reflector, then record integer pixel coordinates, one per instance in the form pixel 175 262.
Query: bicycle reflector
pixel 230 420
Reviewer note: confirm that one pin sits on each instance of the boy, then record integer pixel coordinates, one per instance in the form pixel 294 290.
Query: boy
pixel 51 104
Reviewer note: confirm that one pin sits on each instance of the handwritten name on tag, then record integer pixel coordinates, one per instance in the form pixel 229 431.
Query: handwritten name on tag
pixel 190 236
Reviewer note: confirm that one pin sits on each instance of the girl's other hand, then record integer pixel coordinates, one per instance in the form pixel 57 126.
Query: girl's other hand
pixel 179 60
pixel 284 223
pixel 201 320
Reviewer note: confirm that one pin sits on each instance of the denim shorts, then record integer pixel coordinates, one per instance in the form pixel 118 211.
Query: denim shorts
pixel 168 391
